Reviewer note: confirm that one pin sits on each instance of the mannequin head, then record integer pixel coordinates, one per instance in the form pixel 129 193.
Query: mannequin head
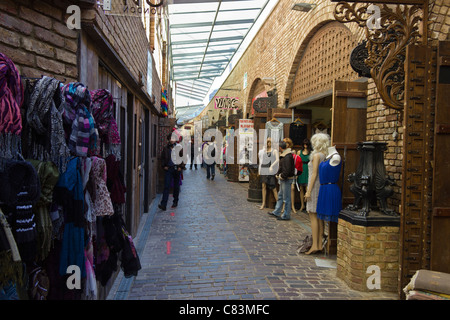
pixel 269 143
pixel 320 143
pixel 306 145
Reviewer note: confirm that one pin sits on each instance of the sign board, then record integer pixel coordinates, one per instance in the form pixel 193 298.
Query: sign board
pixel 225 103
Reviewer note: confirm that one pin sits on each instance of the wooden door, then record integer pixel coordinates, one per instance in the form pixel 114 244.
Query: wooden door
pixel 349 116
pixel 440 220
pixel 418 120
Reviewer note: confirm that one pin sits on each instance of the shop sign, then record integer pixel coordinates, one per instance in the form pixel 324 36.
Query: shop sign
pixel 225 103
pixel 246 126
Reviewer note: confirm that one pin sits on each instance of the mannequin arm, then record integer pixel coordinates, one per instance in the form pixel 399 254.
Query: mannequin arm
pixel 335 160
pixel 274 166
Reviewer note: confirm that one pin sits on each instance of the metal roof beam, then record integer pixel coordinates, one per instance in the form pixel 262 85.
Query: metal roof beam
pixel 191 54
pixel 211 40
pixel 212 11
pixel 196 77
pixel 190 96
pixel 218 62
pixel 209 24
pixel 184 72
pixel 193 90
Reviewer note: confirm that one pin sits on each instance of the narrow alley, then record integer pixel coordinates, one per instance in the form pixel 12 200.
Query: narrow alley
pixel 340 107
pixel 217 245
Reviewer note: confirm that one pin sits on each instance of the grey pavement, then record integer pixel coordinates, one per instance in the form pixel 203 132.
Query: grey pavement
pixel 217 245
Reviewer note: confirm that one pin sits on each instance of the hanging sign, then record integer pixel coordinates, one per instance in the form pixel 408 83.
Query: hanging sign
pixel 225 103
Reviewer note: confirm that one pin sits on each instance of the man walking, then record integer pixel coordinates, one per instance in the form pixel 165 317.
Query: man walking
pixel 210 161
pixel 172 173
pixel 193 154
pixel 285 176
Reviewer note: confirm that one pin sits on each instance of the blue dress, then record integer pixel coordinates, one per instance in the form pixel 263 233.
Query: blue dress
pixel 329 202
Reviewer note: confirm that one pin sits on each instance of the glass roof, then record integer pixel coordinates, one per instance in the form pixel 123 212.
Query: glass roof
pixel 204 37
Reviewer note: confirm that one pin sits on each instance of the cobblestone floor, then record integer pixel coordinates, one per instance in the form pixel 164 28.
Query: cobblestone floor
pixel 217 245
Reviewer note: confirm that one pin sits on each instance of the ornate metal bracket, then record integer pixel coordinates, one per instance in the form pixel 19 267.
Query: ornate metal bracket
pixel 397 27
pixel 370 182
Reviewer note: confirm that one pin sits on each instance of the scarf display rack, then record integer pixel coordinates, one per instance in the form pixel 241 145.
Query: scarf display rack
pixel 62 193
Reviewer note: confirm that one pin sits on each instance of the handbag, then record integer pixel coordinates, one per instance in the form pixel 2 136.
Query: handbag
pixel 305 245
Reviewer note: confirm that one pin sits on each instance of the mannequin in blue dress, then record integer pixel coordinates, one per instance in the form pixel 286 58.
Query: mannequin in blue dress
pixel 329 202
pixel 320 143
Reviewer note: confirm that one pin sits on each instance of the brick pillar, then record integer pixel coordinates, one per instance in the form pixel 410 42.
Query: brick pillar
pixel 364 244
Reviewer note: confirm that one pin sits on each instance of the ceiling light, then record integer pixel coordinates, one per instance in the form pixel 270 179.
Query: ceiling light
pixel 303 7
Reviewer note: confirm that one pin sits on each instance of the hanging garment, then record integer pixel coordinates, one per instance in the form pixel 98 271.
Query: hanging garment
pixel 297 133
pixel 77 115
pixel 329 202
pixel 68 193
pixel 48 176
pixel 44 128
pixel 130 260
pixel 102 111
pixel 10 261
pixel 303 178
pixel 267 175
pixel 115 181
pixel 275 131
pixel 91 282
pixel 102 205
pixel 311 205
pixel 11 99
pixel 19 191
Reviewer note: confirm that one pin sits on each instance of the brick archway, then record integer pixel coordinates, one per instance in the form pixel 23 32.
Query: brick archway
pixel 322 58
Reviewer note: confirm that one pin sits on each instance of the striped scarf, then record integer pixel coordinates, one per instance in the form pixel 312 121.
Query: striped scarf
pixel 44 123
pixel 102 110
pixel 77 112
pixel 11 99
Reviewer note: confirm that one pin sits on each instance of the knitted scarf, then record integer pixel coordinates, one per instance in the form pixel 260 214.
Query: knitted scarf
pixel 77 113
pixel 19 191
pixel 11 98
pixel 44 123
pixel 102 110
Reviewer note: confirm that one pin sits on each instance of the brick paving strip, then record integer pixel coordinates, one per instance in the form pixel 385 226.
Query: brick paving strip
pixel 217 245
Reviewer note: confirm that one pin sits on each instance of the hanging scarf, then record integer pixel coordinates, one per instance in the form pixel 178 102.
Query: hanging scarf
pixel 103 113
pixel 19 191
pixel 46 137
pixel 11 99
pixel 77 113
pixel 164 104
pixel 102 205
pixel 48 176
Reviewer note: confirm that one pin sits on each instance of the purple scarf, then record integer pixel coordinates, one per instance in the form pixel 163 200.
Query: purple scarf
pixel 11 99
pixel 77 112
pixel 102 111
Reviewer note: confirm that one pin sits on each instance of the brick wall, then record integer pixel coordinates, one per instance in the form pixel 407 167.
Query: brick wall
pixel 33 33
pixel 277 49
pixel 361 247
pixel 127 36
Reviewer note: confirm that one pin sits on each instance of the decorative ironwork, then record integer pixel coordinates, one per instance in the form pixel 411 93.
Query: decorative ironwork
pixel 396 28
pixel 358 57
pixel 370 182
